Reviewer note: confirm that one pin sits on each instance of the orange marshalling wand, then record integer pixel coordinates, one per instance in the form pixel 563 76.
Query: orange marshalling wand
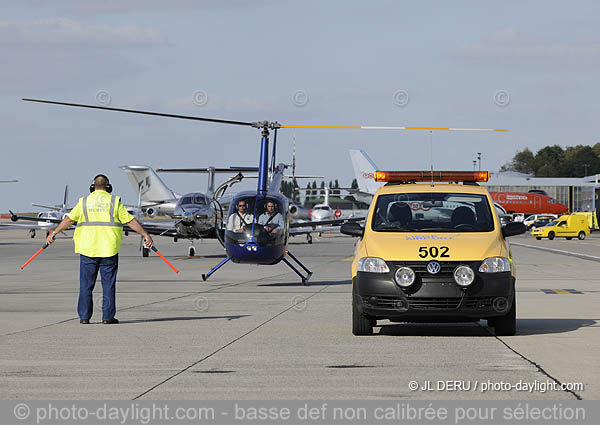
pixel 34 255
pixel 161 256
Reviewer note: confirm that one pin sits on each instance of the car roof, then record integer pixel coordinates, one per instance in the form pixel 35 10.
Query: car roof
pixel 428 187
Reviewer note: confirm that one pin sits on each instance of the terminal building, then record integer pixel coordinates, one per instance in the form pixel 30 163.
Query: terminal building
pixel 577 193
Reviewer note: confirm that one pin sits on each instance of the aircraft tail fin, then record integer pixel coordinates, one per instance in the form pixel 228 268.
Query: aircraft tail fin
pixel 66 197
pixel 364 170
pixel 147 185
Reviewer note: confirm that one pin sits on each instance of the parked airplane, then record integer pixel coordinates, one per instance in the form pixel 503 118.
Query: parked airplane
pixel 528 203
pixel 57 212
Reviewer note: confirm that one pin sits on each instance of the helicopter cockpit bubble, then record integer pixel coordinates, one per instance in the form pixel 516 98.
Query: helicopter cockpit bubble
pixel 263 215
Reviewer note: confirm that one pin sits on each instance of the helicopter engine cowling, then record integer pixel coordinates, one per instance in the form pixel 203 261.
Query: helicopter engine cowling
pixel 151 212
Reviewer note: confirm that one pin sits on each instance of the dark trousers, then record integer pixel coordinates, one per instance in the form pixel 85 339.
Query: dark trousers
pixel 88 272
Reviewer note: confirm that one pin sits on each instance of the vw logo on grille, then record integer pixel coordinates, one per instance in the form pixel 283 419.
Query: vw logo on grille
pixel 434 267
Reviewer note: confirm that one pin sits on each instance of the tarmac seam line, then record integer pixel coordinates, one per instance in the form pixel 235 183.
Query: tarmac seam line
pixel 228 344
pixel 537 365
pixel 140 305
pixel 559 251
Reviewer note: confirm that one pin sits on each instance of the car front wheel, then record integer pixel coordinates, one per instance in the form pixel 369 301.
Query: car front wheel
pixel 551 235
pixel 361 325
pixel 507 325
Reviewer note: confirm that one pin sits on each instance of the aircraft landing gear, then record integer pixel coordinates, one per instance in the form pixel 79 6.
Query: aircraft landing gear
pixel 309 238
pixel 308 272
pixel 32 233
pixel 214 269
pixel 192 251
pixel 145 251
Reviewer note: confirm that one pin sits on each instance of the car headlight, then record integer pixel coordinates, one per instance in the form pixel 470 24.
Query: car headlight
pixel 404 276
pixel 495 265
pixel 464 275
pixel 372 265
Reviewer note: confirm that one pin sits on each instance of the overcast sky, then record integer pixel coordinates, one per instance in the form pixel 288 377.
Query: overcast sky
pixel 529 66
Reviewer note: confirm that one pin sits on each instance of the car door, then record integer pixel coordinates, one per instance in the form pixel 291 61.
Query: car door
pixel 561 228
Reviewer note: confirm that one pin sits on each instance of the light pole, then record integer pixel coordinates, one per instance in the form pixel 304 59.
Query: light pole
pixel 479 159
pixel 474 165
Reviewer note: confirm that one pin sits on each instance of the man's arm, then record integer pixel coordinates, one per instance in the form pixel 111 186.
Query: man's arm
pixel 137 227
pixel 62 226
pixel 277 222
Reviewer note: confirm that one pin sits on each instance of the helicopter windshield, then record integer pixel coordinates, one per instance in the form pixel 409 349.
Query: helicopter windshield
pixel 263 214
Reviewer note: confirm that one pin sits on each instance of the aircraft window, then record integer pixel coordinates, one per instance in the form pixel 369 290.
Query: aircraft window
pixel 432 212
pixel 321 207
pixel 199 200
pixel 186 200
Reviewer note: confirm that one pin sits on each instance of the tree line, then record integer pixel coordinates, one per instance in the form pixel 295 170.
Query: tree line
pixel 554 161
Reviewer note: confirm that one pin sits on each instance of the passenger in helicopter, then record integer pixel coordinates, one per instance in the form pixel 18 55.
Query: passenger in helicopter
pixel 271 220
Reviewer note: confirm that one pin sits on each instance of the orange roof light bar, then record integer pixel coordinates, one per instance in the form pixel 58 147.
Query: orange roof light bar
pixel 429 176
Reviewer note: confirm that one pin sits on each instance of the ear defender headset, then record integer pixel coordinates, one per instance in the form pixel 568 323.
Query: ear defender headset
pixel 108 185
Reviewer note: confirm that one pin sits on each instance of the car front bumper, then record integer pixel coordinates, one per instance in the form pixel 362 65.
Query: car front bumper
pixel 435 300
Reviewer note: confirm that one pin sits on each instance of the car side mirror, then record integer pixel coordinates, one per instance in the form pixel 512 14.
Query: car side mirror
pixel 513 229
pixel 352 229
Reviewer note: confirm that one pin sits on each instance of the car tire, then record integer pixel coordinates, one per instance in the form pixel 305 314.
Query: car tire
pixel 361 325
pixel 551 235
pixel 538 238
pixel 145 251
pixel 581 235
pixel 507 325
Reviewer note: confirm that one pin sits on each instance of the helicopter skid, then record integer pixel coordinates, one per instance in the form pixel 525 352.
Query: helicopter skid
pixel 293 257
pixel 215 268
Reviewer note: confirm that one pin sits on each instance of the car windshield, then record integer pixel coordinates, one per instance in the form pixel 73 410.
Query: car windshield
pixel 432 212
pixel 553 223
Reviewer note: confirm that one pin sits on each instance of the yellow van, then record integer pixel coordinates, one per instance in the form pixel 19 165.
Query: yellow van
pixel 433 252
pixel 566 226
pixel 591 218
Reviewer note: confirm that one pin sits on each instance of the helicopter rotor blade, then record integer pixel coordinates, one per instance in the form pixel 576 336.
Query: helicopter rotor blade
pixel 259 124
pixel 364 127
pixel 135 111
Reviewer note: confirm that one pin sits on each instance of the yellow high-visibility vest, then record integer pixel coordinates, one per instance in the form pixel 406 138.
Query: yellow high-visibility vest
pixel 100 217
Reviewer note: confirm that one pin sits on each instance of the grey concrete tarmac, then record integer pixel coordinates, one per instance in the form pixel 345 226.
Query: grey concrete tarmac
pixel 254 333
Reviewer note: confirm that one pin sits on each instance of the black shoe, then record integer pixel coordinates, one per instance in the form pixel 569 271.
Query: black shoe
pixel 112 321
pixel 84 321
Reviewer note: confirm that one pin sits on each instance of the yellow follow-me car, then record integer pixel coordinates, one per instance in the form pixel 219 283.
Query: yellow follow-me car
pixel 433 252
pixel 566 226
